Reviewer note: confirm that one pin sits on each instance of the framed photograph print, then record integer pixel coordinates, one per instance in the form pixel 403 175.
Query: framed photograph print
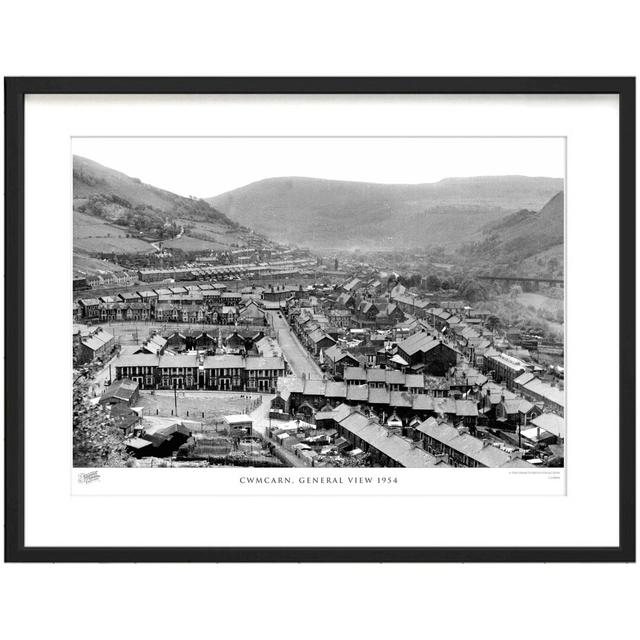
pixel 320 319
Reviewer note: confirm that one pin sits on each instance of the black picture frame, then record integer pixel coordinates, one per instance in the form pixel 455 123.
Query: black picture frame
pixel 15 91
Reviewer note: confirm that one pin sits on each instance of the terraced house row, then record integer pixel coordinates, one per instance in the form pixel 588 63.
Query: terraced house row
pixel 197 372
pixel 464 397
pixel 204 272
pixel 310 396
pixel 211 307
pixel 430 443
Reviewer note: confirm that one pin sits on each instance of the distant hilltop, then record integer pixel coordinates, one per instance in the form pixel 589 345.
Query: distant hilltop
pixel 346 215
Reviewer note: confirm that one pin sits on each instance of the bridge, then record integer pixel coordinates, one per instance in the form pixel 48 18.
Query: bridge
pixel 535 282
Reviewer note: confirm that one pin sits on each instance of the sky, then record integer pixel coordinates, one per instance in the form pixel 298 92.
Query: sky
pixel 205 167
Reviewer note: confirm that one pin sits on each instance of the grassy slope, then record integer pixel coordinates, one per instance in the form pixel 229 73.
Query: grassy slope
pixel 91 178
pixel 94 233
pixel 523 243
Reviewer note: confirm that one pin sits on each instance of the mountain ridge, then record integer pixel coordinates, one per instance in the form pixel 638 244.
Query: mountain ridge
pixel 522 238
pixel 341 214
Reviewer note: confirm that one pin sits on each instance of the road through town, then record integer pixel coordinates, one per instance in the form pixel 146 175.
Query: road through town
pixel 297 356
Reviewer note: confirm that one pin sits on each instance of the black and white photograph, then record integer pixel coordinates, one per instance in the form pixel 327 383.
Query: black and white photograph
pixel 320 319
pixel 319 303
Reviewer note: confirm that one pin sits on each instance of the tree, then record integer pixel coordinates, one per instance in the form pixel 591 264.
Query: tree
pixel 493 323
pixel 433 282
pixel 473 291
pixel 96 441
pixel 447 283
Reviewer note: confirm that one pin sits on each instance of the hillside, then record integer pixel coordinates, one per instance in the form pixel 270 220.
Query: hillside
pixel 92 179
pixel 116 213
pixel 526 241
pixel 338 214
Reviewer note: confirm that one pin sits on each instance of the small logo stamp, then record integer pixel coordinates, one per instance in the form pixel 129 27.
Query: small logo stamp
pixel 88 477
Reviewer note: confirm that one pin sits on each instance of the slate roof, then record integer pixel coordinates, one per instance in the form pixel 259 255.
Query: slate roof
pixel 376 375
pixel 486 454
pixel 404 452
pixel 418 342
pixel 336 390
pixel 379 396
pixel 181 360
pixel 355 373
pixel 358 393
pixel 137 360
pixel 260 362
pixel 223 361
pixel 314 387
pixel 553 394
pixel 550 422
pixel 423 402
pixel 414 380
pixel 466 408
pixel 400 399
pixel 123 389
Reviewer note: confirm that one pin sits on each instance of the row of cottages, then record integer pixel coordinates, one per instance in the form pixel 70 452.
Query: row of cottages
pixel 307 397
pixel 424 352
pixel 412 305
pixel 169 273
pixel 384 447
pixel 211 291
pixel 235 342
pixel 376 314
pixel 443 313
pixel 311 329
pixel 110 306
pixel 460 449
pixel 188 296
pixel 442 319
pixel 98 344
pixel 123 311
pixel 550 396
pixel 189 371
pixel 169 313
pixel 106 279
pixel 248 315
pixel 505 368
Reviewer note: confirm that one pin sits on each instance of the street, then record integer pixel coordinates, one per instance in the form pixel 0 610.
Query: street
pixel 297 356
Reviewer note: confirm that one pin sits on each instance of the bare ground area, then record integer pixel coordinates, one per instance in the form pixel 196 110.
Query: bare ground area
pixel 203 406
